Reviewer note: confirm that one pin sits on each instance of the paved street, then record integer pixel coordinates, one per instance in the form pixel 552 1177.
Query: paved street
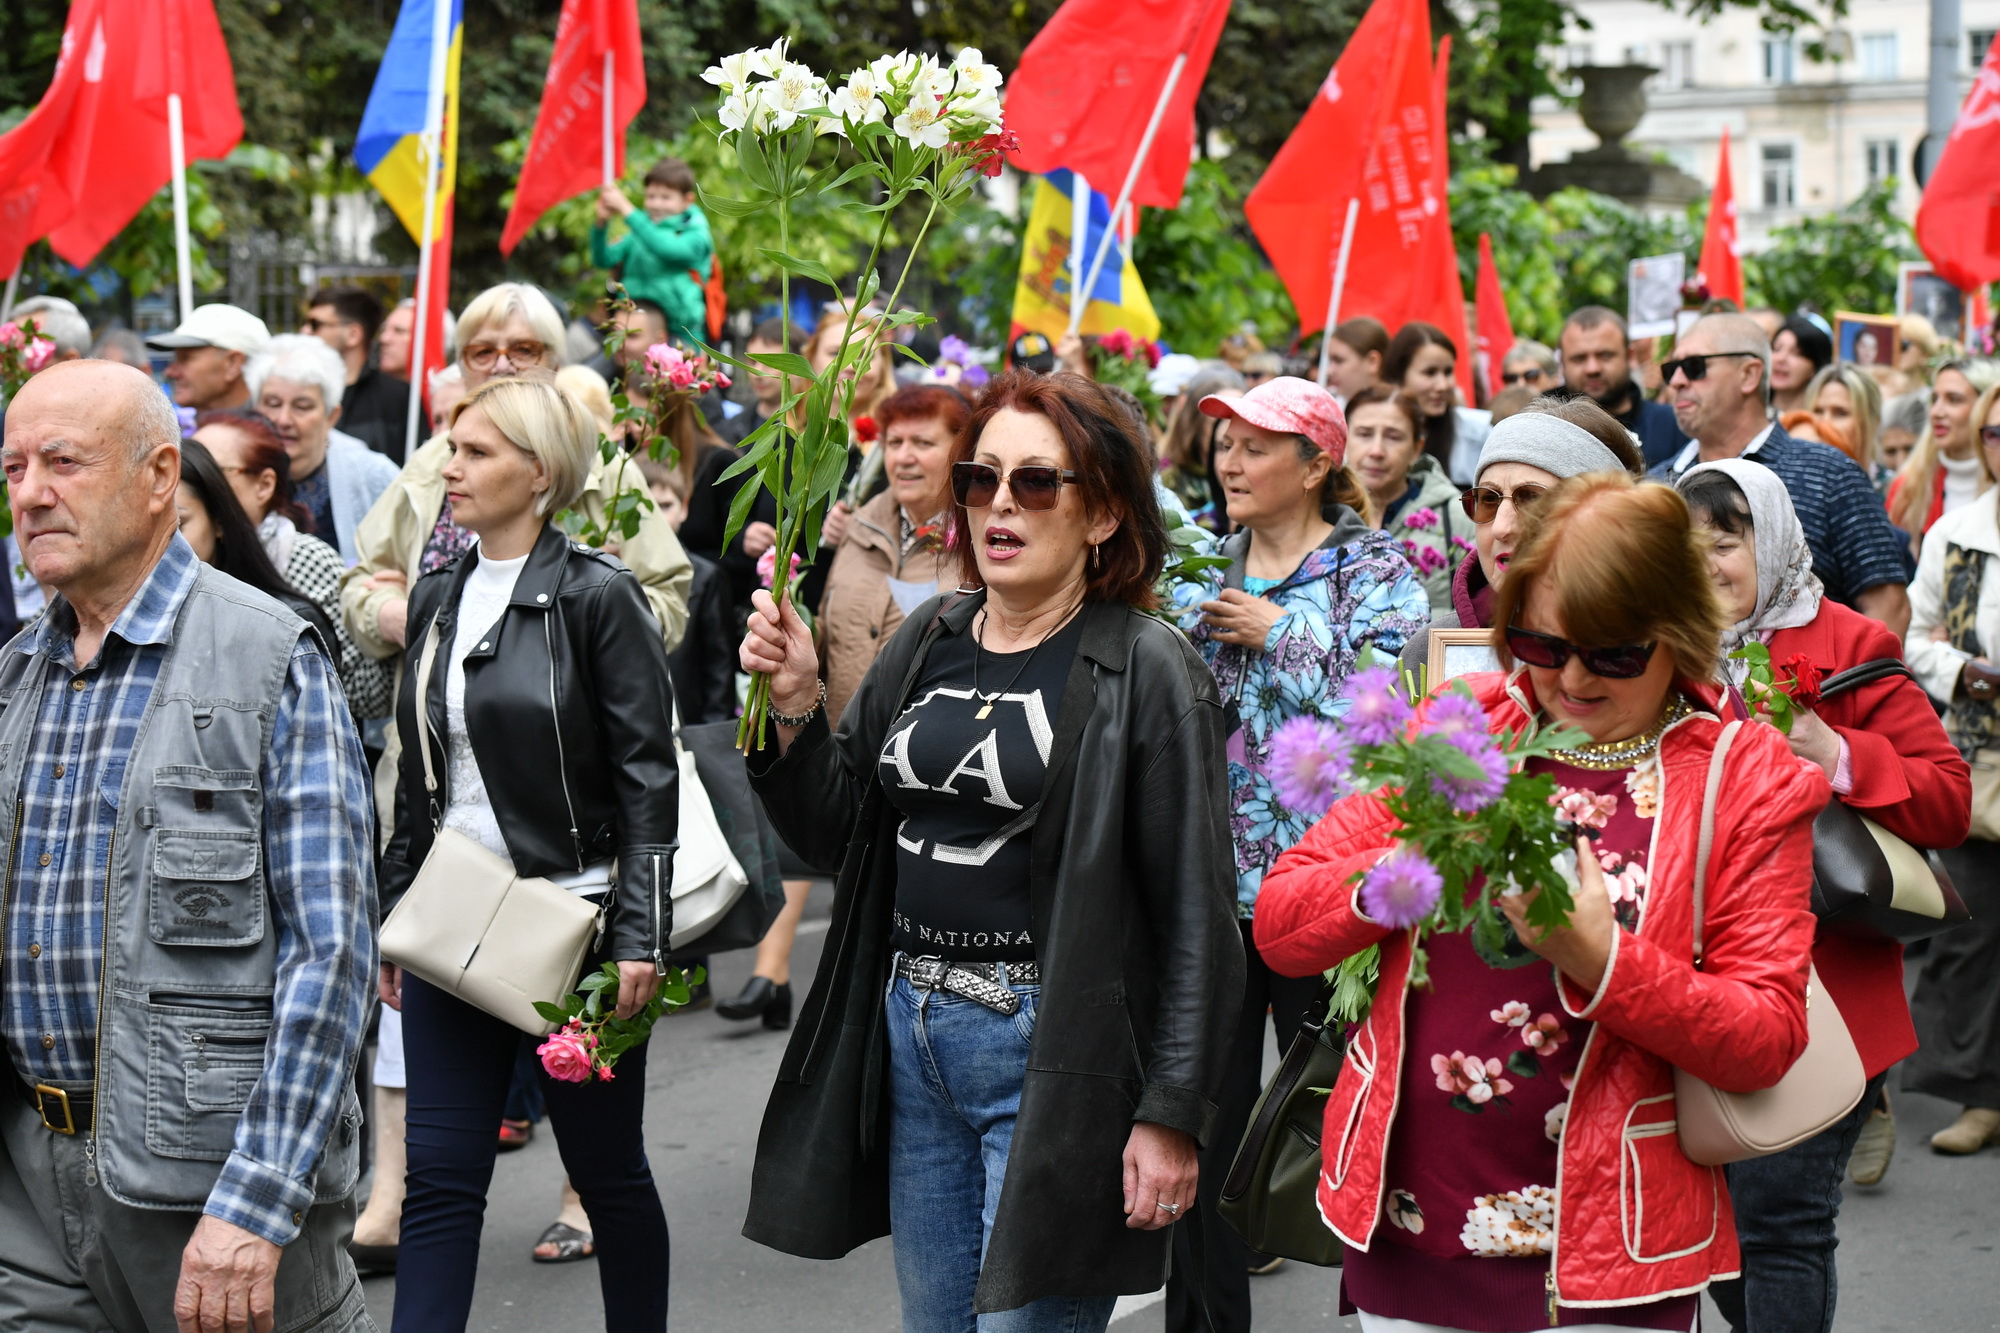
pixel 1918 1252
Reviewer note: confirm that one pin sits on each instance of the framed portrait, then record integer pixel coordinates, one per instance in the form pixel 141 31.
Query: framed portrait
pixel 1460 652
pixel 1866 340
pixel 1920 291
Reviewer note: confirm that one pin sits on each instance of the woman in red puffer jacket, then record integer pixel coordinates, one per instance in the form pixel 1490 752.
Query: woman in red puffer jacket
pixel 1500 1149
pixel 1884 750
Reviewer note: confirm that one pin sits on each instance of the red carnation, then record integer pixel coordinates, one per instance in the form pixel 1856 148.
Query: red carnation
pixel 865 430
pixel 1803 682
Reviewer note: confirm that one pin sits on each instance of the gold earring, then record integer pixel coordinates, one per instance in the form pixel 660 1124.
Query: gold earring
pixel 1096 557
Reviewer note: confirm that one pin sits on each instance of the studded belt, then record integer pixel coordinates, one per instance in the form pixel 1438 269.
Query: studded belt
pixel 982 983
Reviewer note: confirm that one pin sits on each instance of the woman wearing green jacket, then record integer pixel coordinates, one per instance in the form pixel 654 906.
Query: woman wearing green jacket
pixel 666 251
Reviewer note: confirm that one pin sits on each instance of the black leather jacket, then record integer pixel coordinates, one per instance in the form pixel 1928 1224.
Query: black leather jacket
pixel 571 713
pixel 1133 885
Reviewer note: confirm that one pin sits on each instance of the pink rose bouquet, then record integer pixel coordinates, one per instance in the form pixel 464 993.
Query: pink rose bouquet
pixel 591 1037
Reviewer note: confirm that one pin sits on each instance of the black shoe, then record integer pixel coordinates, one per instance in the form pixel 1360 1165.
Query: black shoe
pixel 760 998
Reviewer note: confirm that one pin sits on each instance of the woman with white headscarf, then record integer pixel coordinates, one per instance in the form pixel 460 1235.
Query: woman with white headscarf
pixel 1888 757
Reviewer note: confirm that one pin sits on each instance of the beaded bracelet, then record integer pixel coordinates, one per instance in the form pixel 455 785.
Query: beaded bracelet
pixel 796 722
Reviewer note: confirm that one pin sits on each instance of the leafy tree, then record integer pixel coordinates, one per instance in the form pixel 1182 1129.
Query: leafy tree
pixel 1839 261
pixel 1205 275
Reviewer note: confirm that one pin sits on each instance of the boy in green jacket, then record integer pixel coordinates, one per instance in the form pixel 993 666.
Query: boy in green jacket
pixel 667 252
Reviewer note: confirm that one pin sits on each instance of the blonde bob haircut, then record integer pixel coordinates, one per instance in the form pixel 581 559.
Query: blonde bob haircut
pixel 493 305
pixel 1627 565
pixel 547 424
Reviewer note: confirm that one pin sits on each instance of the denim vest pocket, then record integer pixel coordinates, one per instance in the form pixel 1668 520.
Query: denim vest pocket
pixel 205 890
pixel 201 1068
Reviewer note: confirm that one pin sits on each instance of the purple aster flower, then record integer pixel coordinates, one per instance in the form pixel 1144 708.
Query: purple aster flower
pixel 1309 762
pixel 1470 795
pixel 186 416
pixel 1458 718
pixel 1376 712
pixel 976 376
pixel 1402 888
pixel 954 348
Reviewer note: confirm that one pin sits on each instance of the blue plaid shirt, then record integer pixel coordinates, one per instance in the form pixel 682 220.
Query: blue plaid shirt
pixel 321 877
pixel 1854 545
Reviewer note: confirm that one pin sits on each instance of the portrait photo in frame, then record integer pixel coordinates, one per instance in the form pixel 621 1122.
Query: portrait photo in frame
pixel 1459 652
pixel 1865 340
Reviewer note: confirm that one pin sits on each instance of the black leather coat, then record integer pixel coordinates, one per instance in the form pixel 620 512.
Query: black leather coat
pixel 571 714
pixel 1133 886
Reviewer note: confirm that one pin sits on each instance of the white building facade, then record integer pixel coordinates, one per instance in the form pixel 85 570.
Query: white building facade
pixel 1805 136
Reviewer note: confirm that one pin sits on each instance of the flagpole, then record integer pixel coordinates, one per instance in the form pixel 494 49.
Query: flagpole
pixel 610 113
pixel 1131 181
pixel 433 155
pixel 1339 283
pixel 7 300
pixel 177 157
pixel 1079 238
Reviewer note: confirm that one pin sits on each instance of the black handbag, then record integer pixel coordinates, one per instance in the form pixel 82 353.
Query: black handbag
pixel 750 837
pixel 1866 880
pixel 1271 1195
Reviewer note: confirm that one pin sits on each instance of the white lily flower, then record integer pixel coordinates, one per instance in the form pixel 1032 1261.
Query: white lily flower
pixel 974 73
pixel 744 109
pixel 733 72
pixel 981 109
pixel 795 91
pixel 897 67
pixel 923 123
pixel 857 102
pixel 770 59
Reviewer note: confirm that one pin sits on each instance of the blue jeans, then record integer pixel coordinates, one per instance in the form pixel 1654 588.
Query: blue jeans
pixel 1786 1206
pixel 955 1072
pixel 461 1061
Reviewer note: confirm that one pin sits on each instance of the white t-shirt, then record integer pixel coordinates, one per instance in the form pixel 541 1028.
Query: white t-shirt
pixel 481 603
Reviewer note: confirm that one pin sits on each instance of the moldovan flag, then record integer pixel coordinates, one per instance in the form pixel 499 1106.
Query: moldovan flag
pixel 1958 219
pixel 390 151
pixel 1496 330
pixel 1041 295
pixel 112 151
pixel 33 198
pixel 1721 268
pixel 566 152
pixel 1088 83
pixel 1370 134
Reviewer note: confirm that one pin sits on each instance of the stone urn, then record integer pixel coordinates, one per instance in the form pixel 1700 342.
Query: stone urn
pixel 1613 101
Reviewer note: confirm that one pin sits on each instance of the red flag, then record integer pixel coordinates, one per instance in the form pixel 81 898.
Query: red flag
pixel 1369 134
pixel 566 152
pixel 112 153
pixel 1721 268
pixel 1958 219
pixel 1441 301
pixel 1496 330
pixel 33 198
pixel 1087 85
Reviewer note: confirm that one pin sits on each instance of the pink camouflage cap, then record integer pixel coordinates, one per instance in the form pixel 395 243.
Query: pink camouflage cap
pixel 1290 405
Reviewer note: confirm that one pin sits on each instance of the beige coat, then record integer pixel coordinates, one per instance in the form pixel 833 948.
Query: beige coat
pixel 393 533
pixel 857 612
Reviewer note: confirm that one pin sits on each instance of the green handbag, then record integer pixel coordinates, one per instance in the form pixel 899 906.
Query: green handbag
pixel 1271 1193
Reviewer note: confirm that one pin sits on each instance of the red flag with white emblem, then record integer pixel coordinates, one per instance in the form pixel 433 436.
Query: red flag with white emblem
pixel 1721 268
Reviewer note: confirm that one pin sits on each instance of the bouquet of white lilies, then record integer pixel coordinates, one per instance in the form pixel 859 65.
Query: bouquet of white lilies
pixel 911 125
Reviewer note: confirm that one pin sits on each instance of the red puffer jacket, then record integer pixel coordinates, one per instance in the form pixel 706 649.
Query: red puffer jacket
pixel 1635 1220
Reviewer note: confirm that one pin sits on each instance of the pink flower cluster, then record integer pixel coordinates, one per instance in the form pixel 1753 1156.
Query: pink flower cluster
pixel 1118 342
pixel 1478 1081
pixel 1421 518
pixel 36 351
pixel 664 361
pixel 1424 558
pixel 767 566
pixel 1583 808
pixel 568 1055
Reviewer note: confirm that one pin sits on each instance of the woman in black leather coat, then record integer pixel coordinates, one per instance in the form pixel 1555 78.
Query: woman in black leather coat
pixel 550 719
pixel 1012 1048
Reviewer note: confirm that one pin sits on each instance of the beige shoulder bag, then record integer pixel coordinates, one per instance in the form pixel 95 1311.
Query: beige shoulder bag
pixel 1823 1084
pixel 472 927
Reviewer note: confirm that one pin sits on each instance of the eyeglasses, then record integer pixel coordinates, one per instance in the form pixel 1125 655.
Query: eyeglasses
pixel 1035 486
pixel 1990 436
pixel 1694 367
pixel 484 356
pixel 313 325
pixel 1532 375
pixel 1546 650
pixel 1482 503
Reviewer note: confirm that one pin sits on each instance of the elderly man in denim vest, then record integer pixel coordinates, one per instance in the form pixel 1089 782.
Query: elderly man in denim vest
pixel 186 939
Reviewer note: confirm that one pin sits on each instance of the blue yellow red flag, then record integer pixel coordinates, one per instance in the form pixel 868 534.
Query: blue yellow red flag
pixel 1042 292
pixel 389 148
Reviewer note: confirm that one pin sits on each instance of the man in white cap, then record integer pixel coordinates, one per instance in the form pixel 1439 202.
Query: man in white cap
pixel 210 348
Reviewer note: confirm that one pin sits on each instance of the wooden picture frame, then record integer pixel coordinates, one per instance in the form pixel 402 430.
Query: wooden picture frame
pixel 1459 652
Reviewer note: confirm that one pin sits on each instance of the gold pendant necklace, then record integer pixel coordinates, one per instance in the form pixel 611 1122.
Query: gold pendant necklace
pixel 1609 756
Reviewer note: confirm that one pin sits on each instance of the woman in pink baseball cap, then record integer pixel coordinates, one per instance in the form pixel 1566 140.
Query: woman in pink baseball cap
pixel 1308 586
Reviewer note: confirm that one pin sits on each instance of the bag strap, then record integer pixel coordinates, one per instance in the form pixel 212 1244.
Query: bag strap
pixel 1708 798
pixel 1867 673
pixel 425 661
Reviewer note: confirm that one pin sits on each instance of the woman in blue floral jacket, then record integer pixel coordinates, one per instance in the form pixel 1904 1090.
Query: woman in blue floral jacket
pixel 1309 586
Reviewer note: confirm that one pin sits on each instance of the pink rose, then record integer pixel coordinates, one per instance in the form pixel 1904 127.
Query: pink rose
pixel 665 362
pixel 566 1055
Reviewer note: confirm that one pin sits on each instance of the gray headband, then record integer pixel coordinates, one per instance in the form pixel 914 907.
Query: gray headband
pixel 1549 443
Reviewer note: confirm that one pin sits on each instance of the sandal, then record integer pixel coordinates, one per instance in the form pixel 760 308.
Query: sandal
pixel 515 1134
pixel 571 1245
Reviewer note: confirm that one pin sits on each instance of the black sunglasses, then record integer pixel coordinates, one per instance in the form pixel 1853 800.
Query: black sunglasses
pixel 1546 650
pixel 1482 503
pixel 1034 486
pixel 1694 367
pixel 1532 375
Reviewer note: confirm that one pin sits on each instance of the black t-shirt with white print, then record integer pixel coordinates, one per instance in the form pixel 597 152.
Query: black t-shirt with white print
pixel 967 786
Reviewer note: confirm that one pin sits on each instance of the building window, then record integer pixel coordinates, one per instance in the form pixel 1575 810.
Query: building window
pixel 1780 60
pixel 1885 159
pixel 1780 176
pixel 1676 65
pixel 1880 58
pixel 1575 55
pixel 1978 41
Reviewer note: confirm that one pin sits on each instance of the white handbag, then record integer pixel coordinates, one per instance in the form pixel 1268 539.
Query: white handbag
pixel 472 927
pixel 708 879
